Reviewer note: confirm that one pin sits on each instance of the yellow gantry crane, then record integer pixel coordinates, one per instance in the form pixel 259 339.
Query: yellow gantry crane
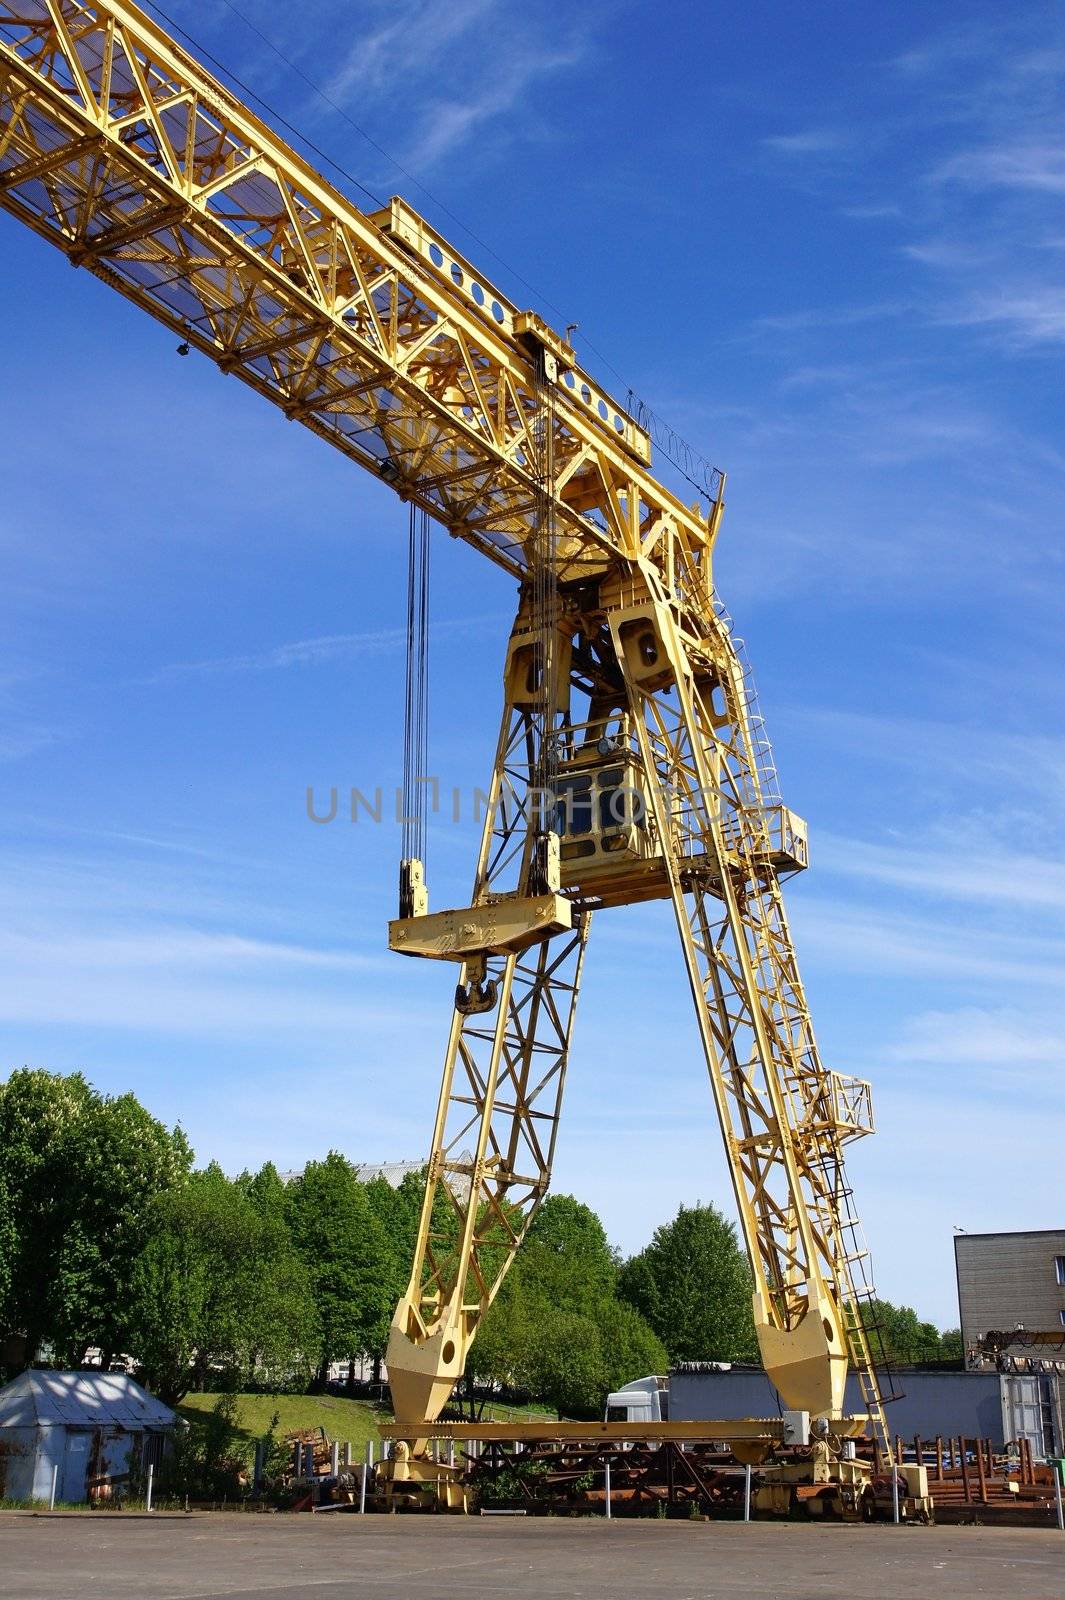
pixel 631 763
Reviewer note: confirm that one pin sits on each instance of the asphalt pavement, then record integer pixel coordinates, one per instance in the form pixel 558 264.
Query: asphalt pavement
pixel 208 1556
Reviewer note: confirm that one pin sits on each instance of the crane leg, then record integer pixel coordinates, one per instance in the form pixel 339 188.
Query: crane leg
pixel 779 1107
pixel 497 1116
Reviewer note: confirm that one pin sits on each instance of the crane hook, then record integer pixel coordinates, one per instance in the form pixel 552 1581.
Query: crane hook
pixel 473 998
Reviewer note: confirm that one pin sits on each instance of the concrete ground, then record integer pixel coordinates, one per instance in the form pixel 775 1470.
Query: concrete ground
pixel 112 1556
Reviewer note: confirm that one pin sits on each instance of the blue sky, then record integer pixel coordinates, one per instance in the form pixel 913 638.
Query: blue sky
pixel 827 243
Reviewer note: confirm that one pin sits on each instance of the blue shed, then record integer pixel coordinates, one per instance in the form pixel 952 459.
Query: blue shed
pixel 92 1426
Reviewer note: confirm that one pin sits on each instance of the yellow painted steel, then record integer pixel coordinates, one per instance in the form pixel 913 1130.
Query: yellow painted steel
pixel 120 149
pixel 774 1429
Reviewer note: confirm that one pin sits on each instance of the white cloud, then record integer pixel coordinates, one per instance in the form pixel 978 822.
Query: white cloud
pixel 974 118
pixel 873 211
pixel 886 414
pixel 945 253
pixel 177 1005
pixel 992 176
pixel 318 651
pixel 172 948
pixel 1038 167
pixel 1029 316
pixel 991 57
pixel 22 733
pixel 448 124
pixel 957 868
pixel 976 1037
pixel 835 316
pixel 487 55
pixel 814 141
pixel 411 41
pixel 1026 769
pixel 883 941
pixel 114 943
pixel 161 980
pixel 21 739
pixel 821 377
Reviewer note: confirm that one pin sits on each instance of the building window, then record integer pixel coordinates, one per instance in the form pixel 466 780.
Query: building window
pixel 1061 1315
pixel 1059 1268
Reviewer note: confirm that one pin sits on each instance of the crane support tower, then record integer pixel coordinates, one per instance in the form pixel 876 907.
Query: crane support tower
pixel 631 763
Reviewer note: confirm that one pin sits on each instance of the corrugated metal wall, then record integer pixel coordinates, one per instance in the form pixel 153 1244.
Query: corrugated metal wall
pixel 27 1456
pixel 947 1403
pixel 86 1457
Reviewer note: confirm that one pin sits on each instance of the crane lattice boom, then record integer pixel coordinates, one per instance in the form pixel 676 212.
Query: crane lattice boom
pixel 120 148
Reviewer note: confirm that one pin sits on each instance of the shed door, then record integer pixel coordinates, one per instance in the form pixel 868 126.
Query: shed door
pixel 75 1460
pixel 1027 1412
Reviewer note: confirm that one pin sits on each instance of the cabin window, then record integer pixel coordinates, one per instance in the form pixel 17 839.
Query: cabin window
pixel 573 807
pixel 613 801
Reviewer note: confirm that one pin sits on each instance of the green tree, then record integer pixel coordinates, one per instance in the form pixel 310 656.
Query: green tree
pixel 631 1348
pixel 209 1458
pixel 692 1284
pixel 219 1292
pixel 565 1258
pixel 906 1339
pixel 82 1172
pixel 557 1327
pixel 573 1360
pixel 170 1295
pixel 266 1191
pixel 566 1363
pixel 8 1245
pixel 345 1251
pixel 502 1351
pixel 40 1113
pixel 396 1211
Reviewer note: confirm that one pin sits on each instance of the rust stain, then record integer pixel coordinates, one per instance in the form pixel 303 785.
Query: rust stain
pixel 8 1449
pixel 97 1483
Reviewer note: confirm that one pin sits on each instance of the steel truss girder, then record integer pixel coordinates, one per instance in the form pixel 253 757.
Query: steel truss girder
pixel 119 148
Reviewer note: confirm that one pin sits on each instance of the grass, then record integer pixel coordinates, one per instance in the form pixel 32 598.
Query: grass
pixel 535 1411
pixel 8 1503
pixel 342 1419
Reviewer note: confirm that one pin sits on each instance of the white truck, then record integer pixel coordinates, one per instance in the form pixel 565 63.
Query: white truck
pixel 647 1400
pixel 643 1400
